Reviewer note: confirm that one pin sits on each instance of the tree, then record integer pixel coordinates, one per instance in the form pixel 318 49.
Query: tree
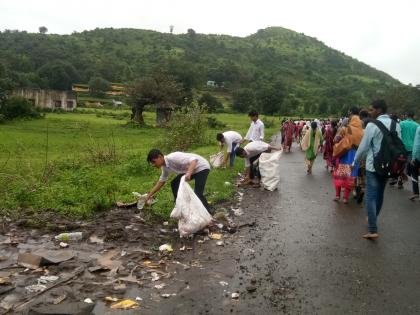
pixel 270 98
pixel 212 103
pixel 99 86
pixel 43 29
pixel 243 100
pixel 58 75
pixel 160 90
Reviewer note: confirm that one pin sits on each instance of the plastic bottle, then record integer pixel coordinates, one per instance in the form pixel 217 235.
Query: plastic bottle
pixel 65 237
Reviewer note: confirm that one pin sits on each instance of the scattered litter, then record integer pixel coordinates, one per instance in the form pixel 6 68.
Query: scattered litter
pixel 223 283
pixel 110 299
pixel 47 279
pixel 64 245
pixel 123 253
pixel 88 300
pixel 36 288
pixel 219 225
pixel 155 276
pixel 4 280
pixel 216 160
pixel 235 295
pixel 43 257
pixel 160 286
pixel 125 305
pixel 182 248
pixel 166 223
pixel 139 299
pixel 65 237
pixel 220 243
pixel 166 295
pixel 59 299
pixel 216 236
pixel 166 247
pixel 95 240
pixel 141 200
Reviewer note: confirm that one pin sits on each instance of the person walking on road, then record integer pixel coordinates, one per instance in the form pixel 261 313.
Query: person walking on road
pixel 232 139
pixel 415 165
pixel 193 166
pixel 256 129
pixel 311 144
pixel 408 132
pixel 368 149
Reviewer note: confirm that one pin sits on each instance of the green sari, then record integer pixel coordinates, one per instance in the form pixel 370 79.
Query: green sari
pixel 311 152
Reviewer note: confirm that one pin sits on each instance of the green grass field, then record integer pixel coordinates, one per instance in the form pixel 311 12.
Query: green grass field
pixel 81 163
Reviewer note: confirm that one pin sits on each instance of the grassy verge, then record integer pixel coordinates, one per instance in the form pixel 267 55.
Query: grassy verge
pixel 81 163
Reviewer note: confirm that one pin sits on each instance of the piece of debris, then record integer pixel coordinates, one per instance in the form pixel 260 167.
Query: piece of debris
pixel 63 245
pixel 139 298
pixel 160 286
pixel 155 276
pixel 220 243
pixel 88 300
pixel 235 295
pixel 95 240
pixel 125 305
pixel 216 236
pixel 251 288
pixel 47 279
pixel 36 288
pixel 5 280
pixel 107 261
pixel 66 237
pixel 43 258
pixel 110 299
pixel 166 248
pixel 59 299
pixel 166 223
pixel 182 248
pixel 167 295
pixel 223 283
pixel 141 200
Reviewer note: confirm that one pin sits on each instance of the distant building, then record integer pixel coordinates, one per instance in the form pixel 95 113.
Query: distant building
pixel 52 99
pixel 116 88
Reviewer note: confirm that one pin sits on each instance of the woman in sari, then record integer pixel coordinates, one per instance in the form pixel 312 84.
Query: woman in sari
pixel 344 176
pixel 329 135
pixel 311 144
pixel 288 135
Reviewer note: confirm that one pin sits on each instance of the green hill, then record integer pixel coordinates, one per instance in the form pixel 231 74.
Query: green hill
pixel 275 69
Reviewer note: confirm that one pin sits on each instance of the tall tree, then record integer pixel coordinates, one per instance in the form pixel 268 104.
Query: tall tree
pixel 43 29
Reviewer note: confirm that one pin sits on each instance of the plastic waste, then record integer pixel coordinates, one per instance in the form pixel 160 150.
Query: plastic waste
pixel 36 288
pixel 191 214
pixel 47 279
pixel 141 200
pixel 216 160
pixel 125 304
pixel 269 165
pixel 235 295
pixel 73 236
pixel 166 248
pixel 88 300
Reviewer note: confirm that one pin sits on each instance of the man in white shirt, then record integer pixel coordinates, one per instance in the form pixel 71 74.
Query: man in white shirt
pixel 232 139
pixel 193 166
pixel 252 152
pixel 256 129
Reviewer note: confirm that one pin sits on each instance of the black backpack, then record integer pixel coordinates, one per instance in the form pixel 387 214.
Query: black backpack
pixel 391 159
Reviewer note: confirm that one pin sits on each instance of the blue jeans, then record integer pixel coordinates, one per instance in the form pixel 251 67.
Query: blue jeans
pixel 375 187
pixel 232 154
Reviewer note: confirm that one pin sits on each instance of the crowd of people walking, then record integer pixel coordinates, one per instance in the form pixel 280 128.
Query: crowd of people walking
pixel 363 151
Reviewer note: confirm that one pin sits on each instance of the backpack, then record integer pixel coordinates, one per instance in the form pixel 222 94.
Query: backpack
pixel 391 159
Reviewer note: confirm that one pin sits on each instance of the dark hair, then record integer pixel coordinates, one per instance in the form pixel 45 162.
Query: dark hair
pixel 380 104
pixel 240 151
pixel 153 154
pixel 314 125
pixel 354 111
pixel 219 137
pixel 410 114
pixel 253 113
pixel 364 114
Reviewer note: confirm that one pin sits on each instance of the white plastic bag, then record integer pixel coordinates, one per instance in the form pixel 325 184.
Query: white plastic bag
pixel 189 210
pixel 269 164
pixel 216 160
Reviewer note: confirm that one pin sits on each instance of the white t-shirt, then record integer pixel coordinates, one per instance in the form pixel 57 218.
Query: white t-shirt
pixel 255 131
pixel 178 163
pixel 254 148
pixel 231 137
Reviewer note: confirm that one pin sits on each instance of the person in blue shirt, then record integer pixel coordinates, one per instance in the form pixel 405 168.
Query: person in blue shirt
pixel 368 148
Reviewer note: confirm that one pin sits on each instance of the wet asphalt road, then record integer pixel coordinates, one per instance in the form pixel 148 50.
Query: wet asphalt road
pixel 305 255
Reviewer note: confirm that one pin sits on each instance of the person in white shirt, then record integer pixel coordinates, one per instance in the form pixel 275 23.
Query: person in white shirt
pixel 232 139
pixel 251 153
pixel 193 166
pixel 256 129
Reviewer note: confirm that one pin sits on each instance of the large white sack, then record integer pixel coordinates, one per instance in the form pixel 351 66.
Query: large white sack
pixel 189 210
pixel 269 164
pixel 216 160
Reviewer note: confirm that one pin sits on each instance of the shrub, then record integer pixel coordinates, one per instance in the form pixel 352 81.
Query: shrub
pixel 186 128
pixel 2 119
pixel 214 123
pixel 18 107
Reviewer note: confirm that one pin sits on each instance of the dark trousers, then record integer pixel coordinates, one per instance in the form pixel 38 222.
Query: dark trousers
pixel 413 172
pixel 255 171
pixel 200 179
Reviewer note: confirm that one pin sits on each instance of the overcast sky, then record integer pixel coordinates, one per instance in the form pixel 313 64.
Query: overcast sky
pixel 384 34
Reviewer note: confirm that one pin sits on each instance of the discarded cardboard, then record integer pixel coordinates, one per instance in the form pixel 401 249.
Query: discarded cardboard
pixel 43 258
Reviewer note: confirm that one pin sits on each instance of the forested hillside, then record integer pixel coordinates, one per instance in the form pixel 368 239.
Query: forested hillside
pixel 275 70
